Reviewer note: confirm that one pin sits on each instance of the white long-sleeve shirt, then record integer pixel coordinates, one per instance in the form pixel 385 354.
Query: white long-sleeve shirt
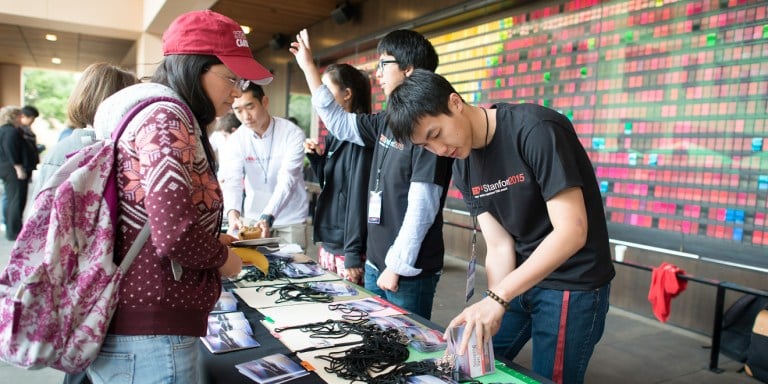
pixel 270 170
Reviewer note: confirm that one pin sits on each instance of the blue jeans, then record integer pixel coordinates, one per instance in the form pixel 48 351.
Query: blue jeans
pixel 414 295
pixel 537 314
pixel 146 359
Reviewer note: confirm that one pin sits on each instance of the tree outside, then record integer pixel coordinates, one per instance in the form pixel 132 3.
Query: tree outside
pixel 48 91
pixel 300 108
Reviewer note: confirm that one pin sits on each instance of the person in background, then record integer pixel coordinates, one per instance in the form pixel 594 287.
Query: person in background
pixel 342 169
pixel 222 129
pixel 268 152
pixel 28 116
pixel 529 181
pixel 13 170
pixel 405 246
pixel 166 177
pixel 98 81
pixel 30 152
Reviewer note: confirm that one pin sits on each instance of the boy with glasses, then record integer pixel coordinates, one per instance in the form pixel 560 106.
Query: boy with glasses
pixel 405 223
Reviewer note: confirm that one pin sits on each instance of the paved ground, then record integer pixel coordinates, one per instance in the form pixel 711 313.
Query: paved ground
pixel 634 349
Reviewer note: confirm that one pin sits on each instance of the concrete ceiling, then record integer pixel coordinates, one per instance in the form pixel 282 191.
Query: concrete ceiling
pixel 22 42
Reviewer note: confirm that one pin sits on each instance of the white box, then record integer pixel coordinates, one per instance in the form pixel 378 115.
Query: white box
pixel 478 359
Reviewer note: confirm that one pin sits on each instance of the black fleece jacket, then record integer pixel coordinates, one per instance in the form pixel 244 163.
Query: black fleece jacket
pixel 340 220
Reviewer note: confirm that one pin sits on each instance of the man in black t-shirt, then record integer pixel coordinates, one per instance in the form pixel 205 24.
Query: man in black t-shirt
pixel 407 184
pixel 529 181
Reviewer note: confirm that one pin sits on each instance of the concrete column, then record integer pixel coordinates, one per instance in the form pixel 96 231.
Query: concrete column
pixel 10 85
pixel 149 53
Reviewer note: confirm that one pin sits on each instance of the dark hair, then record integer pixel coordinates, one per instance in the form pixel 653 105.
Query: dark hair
pixel 182 74
pixel 421 94
pixel 98 81
pixel 347 76
pixel 227 123
pixel 30 111
pixel 409 48
pixel 256 90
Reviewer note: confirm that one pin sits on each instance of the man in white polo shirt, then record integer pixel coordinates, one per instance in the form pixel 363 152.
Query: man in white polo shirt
pixel 264 158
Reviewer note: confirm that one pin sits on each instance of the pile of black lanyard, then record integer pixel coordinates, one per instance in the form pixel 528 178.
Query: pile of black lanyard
pixel 380 351
pixel 297 292
pixel 274 272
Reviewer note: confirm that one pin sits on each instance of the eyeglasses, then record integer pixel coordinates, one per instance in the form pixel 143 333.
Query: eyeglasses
pixel 383 62
pixel 241 84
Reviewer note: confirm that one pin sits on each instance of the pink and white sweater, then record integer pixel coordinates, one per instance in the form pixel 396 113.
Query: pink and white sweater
pixel 164 177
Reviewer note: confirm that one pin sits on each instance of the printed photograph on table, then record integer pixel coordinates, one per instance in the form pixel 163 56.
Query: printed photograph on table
pixel 334 289
pixel 298 270
pixel 425 339
pixel 426 379
pixel 389 322
pixel 225 316
pixel 216 327
pixel 369 305
pixel 227 341
pixel 226 303
pixel 272 369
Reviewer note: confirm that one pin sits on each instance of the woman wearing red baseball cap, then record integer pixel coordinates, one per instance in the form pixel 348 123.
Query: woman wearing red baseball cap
pixel 166 176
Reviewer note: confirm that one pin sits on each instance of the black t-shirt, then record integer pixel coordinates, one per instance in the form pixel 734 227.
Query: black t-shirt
pixel 396 165
pixel 535 154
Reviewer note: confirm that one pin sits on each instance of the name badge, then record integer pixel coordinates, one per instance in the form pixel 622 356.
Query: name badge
pixel 374 207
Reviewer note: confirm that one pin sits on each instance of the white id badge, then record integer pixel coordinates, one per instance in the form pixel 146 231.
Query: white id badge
pixel 374 207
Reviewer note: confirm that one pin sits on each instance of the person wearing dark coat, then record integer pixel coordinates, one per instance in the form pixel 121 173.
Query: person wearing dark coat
pixel 12 169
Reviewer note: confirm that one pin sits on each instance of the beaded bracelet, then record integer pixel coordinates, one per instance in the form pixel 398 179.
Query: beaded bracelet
pixel 497 299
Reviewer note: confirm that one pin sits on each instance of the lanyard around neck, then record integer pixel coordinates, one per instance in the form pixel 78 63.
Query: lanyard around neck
pixel 264 162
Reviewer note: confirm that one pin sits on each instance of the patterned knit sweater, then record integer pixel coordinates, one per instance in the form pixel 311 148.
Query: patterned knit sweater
pixel 164 177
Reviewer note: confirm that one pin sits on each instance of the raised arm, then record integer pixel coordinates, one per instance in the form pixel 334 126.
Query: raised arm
pixel 339 122
pixel 300 48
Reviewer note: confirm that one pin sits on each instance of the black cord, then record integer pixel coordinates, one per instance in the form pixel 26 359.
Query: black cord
pixel 297 292
pixel 349 313
pixel 274 272
pixel 381 350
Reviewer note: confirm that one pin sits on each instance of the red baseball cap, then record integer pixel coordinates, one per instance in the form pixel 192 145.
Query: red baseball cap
pixel 210 33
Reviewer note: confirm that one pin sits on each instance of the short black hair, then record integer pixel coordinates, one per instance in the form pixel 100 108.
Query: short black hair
pixel 256 90
pixel 423 93
pixel 409 48
pixel 30 111
pixel 182 74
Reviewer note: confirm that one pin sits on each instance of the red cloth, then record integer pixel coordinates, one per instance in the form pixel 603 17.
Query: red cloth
pixel 664 286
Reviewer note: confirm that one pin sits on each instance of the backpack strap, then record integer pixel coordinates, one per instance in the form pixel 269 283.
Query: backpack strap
pixel 110 189
pixel 136 247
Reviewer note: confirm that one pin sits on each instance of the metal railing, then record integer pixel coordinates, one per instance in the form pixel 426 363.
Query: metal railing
pixel 721 288
pixel 717 321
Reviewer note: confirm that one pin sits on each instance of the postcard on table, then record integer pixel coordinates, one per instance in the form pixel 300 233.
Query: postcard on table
pixel 227 341
pixel 272 369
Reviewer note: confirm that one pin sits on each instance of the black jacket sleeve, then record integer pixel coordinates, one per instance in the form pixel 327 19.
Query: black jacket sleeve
pixel 356 230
